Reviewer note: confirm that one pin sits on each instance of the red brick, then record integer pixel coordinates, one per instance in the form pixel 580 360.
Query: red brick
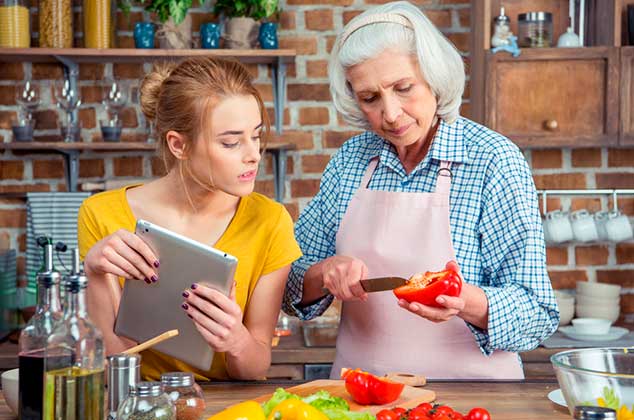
pixel 22 188
pixel 11 71
pixel 334 139
pixel 288 20
pixel 586 158
pixel 125 42
pixel 7 95
pixel 620 157
pixel 313 116
pixel 348 15
pixel 21 265
pixel 319 20
pixel 304 187
pixel 548 158
pixel 465 109
pixel 464 16
pixel 268 164
pixel 271 114
pixel 129 118
pixel 557 255
pixel 624 278
pixel 198 19
pixel 265 90
pixel 128 71
pixel 460 40
pixel 317 68
pixel 303 140
pixel 591 255
pixel 440 18
pixel 13 218
pixel 293 210
pixel 320 2
pixel 48 168
pixel 330 42
pixel 128 166
pixel 87 118
pixel 309 92
pixel 566 279
pixel 314 163
pixel 560 181
pixel 614 180
pixel 552 204
pixel 627 303
pixel 91 71
pixel 91 94
pixel 304 45
pixel 7 119
pixel 22 242
pixel 626 205
pixel 5 241
pixel 46 71
pixel 624 253
pixel 127 136
pixel 590 204
pixel 91 168
pixel 46 119
pixel 265 187
pixel 11 169
pixel 127 22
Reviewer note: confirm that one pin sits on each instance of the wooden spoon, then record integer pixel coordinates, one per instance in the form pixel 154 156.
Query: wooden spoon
pixel 151 342
pixel 407 378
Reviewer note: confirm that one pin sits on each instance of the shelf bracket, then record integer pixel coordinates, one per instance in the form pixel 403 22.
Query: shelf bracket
pixel 279 172
pixel 71 74
pixel 279 92
pixel 71 159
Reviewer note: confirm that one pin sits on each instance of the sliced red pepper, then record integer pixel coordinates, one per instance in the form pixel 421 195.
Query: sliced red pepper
pixel 367 389
pixel 425 288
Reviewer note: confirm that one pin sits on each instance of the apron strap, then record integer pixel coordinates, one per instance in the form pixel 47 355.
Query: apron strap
pixel 443 182
pixel 368 172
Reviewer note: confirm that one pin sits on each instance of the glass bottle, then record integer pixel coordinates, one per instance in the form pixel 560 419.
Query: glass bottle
pixel 15 31
pixel 76 389
pixel 56 23
pixel 593 413
pixel 501 30
pixel 32 354
pixel 99 26
pixel 186 394
pixel 147 401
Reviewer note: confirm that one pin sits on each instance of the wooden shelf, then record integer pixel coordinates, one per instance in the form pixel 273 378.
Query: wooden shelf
pixel 134 55
pixel 106 147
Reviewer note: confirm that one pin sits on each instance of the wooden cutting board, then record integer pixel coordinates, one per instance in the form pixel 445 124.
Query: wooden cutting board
pixel 410 397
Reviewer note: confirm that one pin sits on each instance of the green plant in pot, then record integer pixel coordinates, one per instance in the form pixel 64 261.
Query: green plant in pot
pixel 175 29
pixel 241 27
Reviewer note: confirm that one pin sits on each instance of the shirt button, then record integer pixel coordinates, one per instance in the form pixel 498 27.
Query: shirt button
pixel 405 182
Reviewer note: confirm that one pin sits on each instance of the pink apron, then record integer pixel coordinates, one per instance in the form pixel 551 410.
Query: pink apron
pixel 399 234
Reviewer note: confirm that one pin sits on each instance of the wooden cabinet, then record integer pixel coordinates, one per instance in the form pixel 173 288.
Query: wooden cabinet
pixel 554 97
pixel 627 96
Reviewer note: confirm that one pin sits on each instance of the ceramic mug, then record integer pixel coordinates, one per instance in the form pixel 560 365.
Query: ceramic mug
pixel 558 226
pixel 583 226
pixel 600 219
pixel 618 227
pixel 210 35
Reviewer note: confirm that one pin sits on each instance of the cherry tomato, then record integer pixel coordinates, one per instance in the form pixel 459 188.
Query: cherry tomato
pixel 441 416
pixel 457 416
pixel 478 413
pixel 425 406
pixel 386 414
pixel 418 413
pixel 444 409
pixel 399 410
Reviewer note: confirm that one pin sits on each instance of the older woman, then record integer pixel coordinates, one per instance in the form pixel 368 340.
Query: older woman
pixel 421 187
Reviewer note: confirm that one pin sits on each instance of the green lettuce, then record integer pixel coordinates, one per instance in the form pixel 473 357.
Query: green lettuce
pixel 322 400
pixel 339 414
pixel 279 395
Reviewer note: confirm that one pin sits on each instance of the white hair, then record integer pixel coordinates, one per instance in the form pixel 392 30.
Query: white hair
pixel 439 61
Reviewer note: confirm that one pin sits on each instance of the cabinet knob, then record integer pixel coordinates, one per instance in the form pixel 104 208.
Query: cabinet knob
pixel 551 125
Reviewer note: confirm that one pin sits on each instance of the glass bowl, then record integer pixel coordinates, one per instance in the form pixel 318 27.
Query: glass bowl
pixel 596 376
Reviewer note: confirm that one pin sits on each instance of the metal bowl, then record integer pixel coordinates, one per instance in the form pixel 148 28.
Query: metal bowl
pixel 596 376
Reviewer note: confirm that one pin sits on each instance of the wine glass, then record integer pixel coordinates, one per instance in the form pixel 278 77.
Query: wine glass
pixel 115 98
pixel 28 97
pixel 67 98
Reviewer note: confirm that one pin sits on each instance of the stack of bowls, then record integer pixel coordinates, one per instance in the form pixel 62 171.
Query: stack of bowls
pixel 598 300
pixel 566 303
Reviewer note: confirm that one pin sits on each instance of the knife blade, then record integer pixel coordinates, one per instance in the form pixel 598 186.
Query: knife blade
pixel 380 284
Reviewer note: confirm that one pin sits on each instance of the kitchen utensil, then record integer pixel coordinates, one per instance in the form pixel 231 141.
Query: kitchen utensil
pixel 614 333
pixel 151 342
pixel 557 397
pixel 123 372
pixel 380 284
pixel 410 397
pixel 407 378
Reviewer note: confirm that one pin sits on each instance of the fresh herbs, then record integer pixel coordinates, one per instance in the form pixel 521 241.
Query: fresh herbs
pixel 176 9
pixel 256 9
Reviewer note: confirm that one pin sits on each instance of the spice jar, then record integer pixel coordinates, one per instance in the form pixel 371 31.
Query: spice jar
pixel 593 413
pixel 56 23
pixel 15 30
pixel 99 23
pixel 535 29
pixel 185 393
pixel 147 401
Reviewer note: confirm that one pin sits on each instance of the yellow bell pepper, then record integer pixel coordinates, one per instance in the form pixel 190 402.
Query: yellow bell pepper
pixel 293 409
pixel 248 410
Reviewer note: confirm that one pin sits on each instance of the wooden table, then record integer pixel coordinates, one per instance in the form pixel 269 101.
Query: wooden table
pixel 504 400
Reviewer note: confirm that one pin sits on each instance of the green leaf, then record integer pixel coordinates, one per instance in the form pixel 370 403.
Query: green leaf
pixel 177 11
pixel 611 399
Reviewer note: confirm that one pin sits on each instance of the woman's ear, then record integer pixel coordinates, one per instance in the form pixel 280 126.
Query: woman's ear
pixel 177 145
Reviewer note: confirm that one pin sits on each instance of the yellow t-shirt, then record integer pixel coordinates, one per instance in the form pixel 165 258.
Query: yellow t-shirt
pixel 260 235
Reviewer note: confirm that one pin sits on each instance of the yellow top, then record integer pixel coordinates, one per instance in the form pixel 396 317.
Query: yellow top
pixel 260 236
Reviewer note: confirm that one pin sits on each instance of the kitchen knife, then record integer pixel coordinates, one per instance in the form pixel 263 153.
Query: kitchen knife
pixel 380 284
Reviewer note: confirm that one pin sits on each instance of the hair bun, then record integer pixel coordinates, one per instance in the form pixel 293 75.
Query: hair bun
pixel 151 88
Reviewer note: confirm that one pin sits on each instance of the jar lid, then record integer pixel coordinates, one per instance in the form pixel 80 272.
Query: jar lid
pixel 124 361
pixel 593 413
pixel 147 389
pixel 535 17
pixel 175 379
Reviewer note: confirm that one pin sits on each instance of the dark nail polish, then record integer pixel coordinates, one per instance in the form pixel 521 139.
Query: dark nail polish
pixel 147 280
pixel 194 286
pixel 185 294
pixel 154 278
pixel 185 306
pixel 156 264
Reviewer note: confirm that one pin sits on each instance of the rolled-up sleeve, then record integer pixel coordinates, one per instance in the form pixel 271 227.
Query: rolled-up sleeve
pixel 522 307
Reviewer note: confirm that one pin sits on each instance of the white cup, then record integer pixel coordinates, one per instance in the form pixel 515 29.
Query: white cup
pixel 618 227
pixel 600 219
pixel 583 226
pixel 546 233
pixel 558 226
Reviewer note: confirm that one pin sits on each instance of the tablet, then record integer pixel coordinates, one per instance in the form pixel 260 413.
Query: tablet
pixel 147 310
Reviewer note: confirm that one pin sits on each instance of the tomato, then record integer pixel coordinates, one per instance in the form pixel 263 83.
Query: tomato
pixel 399 410
pixel 368 389
pixel 425 288
pixel 387 415
pixel 440 416
pixel 478 413
pixel 418 413
pixel 457 416
pixel 444 409
pixel 425 406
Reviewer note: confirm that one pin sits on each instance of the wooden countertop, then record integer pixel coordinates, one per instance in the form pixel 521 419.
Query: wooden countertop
pixel 504 400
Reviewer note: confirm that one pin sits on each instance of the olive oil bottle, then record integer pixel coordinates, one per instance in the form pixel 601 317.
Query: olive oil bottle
pixel 75 391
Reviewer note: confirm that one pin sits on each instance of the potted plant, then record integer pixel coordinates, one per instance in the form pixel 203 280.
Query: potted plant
pixel 241 28
pixel 175 23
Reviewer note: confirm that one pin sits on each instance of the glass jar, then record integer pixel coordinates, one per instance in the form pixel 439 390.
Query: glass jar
pixel 15 31
pixel 147 401
pixel 535 29
pixel 56 23
pixel 185 393
pixel 99 24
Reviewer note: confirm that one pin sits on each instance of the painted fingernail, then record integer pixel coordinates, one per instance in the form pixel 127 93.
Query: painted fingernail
pixel 194 286
pixel 154 278
pixel 185 306
pixel 147 280
pixel 440 300
pixel 185 294
pixel 156 264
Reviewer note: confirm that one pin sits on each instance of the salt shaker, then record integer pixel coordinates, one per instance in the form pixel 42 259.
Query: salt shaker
pixel 593 413
pixel 123 373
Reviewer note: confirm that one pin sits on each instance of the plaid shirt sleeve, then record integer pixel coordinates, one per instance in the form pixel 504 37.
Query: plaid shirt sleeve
pixel 522 307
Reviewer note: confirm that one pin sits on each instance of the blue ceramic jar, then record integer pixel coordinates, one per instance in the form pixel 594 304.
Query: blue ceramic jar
pixel 268 36
pixel 144 35
pixel 210 35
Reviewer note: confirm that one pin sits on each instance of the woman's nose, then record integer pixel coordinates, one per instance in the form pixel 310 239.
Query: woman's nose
pixel 391 110
pixel 252 153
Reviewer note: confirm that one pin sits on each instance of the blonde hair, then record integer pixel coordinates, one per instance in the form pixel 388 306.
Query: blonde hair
pixel 383 27
pixel 180 97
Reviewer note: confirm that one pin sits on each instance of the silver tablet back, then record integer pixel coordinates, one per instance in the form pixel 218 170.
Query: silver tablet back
pixel 147 310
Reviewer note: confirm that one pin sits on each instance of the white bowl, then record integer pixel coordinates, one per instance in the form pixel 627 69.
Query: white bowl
pixel 609 313
pixel 563 296
pixel 595 326
pixel 595 301
pixel 599 290
pixel 10 388
pixel 566 313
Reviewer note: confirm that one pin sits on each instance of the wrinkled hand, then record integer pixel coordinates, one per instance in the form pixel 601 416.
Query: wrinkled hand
pixel 217 317
pixel 341 277
pixel 452 306
pixel 122 254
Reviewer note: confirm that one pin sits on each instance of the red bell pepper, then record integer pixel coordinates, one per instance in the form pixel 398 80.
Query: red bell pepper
pixel 367 389
pixel 425 288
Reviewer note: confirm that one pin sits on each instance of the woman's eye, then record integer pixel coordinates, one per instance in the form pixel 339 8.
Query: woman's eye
pixel 404 88
pixel 230 145
pixel 256 137
pixel 369 99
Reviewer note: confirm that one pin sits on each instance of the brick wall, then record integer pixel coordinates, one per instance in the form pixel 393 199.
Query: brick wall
pixel 310 121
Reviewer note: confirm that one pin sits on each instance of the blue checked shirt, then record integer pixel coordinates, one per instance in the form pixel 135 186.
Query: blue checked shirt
pixel 496 228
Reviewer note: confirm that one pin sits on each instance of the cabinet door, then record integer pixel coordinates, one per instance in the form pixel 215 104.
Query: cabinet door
pixel 555 97
pixel 627 95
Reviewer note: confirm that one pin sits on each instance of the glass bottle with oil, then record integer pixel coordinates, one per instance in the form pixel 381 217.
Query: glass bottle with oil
pixel 76 390
pixel 33 338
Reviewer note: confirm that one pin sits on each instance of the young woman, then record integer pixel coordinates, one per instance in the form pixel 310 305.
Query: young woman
pixel 209 120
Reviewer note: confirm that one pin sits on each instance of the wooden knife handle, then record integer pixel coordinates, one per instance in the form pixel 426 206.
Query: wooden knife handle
pixel 407 378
